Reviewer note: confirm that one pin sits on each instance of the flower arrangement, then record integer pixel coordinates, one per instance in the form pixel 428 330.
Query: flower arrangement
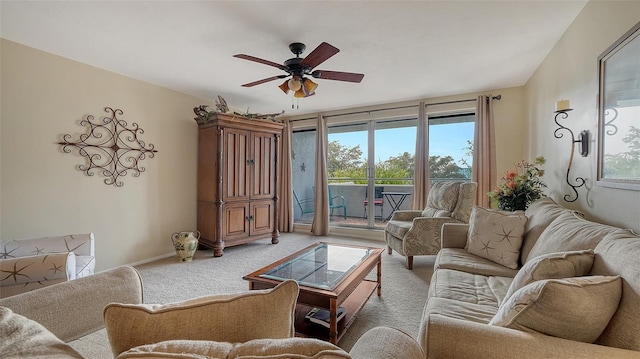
pixel 520 187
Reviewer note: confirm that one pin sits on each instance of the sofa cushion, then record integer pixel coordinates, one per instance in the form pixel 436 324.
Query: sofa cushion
pixel 442 199
pixel 553 265
pixel 461 260
pixel 569 232
pixel 572 308
pixel 25 338
pixel 457 309
pixel 294 348
pixel 496 236
pixel 468 287
pixel 228 318
pixel 539 215
pixel 398 228
pixel 618 254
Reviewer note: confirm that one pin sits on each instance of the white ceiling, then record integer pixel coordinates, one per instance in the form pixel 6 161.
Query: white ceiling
pixel 406 49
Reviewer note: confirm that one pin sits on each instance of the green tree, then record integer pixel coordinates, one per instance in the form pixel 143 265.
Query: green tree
pixel 444 167
pixel 341 158
pixel 347 162
pixel 625 164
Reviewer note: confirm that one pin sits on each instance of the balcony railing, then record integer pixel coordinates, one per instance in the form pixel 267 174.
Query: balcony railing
pixel 354 196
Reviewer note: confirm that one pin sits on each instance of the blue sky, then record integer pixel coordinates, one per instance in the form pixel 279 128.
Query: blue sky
pixel 444 140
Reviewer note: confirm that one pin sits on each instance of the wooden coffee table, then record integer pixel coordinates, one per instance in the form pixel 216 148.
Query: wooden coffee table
pixel 330 276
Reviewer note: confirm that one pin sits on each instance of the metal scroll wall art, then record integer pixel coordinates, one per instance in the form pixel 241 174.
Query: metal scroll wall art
pixel 110 146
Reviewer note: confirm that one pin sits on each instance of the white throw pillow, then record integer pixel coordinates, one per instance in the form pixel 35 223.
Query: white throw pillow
pixel 577 308
pixel 496 235
pixel 552 266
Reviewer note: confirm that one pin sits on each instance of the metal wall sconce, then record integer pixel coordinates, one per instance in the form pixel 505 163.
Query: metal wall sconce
pixel 562 111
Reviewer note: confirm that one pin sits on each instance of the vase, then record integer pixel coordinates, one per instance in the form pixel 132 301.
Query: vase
pixel 185 244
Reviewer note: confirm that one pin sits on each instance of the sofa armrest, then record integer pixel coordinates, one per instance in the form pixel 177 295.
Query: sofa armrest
pixel 73 309
pixel 24 274
pixel 405 215
pixel 491 342
pixel 38 268
pixel 384 343
pixel 83 245
pixel 454 235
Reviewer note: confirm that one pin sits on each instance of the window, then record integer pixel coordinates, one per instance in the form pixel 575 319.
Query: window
pixel 375 159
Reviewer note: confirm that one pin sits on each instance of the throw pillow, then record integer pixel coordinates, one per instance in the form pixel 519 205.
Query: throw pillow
pixel 25 338
pixel 183 349
pixel 572 308
pixel 552 266
pixel 226 318
pixel 496 235
pixel 294 348
pixel 290 348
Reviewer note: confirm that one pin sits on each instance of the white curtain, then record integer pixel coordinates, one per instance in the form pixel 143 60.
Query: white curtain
pixel 320 225
pixel 484 170
pixel 421 175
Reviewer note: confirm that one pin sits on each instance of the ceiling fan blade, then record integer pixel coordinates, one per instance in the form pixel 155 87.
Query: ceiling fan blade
pixel 250 84
pixel 319 55
pixel 337 75
pixel 261 61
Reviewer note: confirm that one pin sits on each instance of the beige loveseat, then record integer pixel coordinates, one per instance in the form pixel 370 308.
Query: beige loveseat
pixel 575 291
pixel 65 321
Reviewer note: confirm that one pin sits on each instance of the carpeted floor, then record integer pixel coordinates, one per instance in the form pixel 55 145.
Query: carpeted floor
pixel 404 292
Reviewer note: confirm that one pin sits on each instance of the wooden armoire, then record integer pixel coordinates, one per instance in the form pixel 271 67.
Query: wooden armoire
pixel 237 180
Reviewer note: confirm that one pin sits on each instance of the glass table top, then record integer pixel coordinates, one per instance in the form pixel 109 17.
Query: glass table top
pixel 322 266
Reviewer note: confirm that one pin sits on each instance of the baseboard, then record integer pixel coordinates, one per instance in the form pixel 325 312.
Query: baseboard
pixel 145 261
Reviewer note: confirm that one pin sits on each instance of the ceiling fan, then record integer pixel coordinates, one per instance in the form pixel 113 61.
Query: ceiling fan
pixel 299 68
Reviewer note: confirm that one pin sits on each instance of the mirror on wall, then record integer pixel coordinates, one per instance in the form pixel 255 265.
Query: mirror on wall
pixel 619 113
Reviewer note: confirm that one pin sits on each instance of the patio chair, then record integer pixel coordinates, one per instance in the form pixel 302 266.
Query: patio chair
pixel 415 232
pixel 378 201
pixel 334 205
pixel 306 204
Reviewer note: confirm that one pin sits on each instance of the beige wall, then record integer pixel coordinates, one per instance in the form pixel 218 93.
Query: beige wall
pixel 42 193
pixel 570 72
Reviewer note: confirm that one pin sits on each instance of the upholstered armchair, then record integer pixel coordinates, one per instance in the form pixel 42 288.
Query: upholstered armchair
pixel 30 264
pixel 415 232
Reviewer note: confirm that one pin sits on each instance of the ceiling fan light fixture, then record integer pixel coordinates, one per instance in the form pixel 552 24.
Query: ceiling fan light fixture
pixel 294 83
pixel 285 87
pixel 309 87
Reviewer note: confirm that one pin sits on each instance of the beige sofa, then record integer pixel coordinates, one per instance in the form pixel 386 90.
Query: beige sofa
pixel 63 320
pixel 472 312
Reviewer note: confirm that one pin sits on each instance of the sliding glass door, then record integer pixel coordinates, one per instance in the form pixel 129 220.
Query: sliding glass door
pixel 370 166
pixel 347 163
pixel 303 163
pixel 370 170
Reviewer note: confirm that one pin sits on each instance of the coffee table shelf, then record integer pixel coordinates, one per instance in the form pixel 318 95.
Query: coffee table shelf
pixel 350 290
pixel 353 304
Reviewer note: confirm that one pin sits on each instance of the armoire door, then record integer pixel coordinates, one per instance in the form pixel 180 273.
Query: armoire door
pixel 237 165
pixel 263 166
pixel 237 221
pixel 261 217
